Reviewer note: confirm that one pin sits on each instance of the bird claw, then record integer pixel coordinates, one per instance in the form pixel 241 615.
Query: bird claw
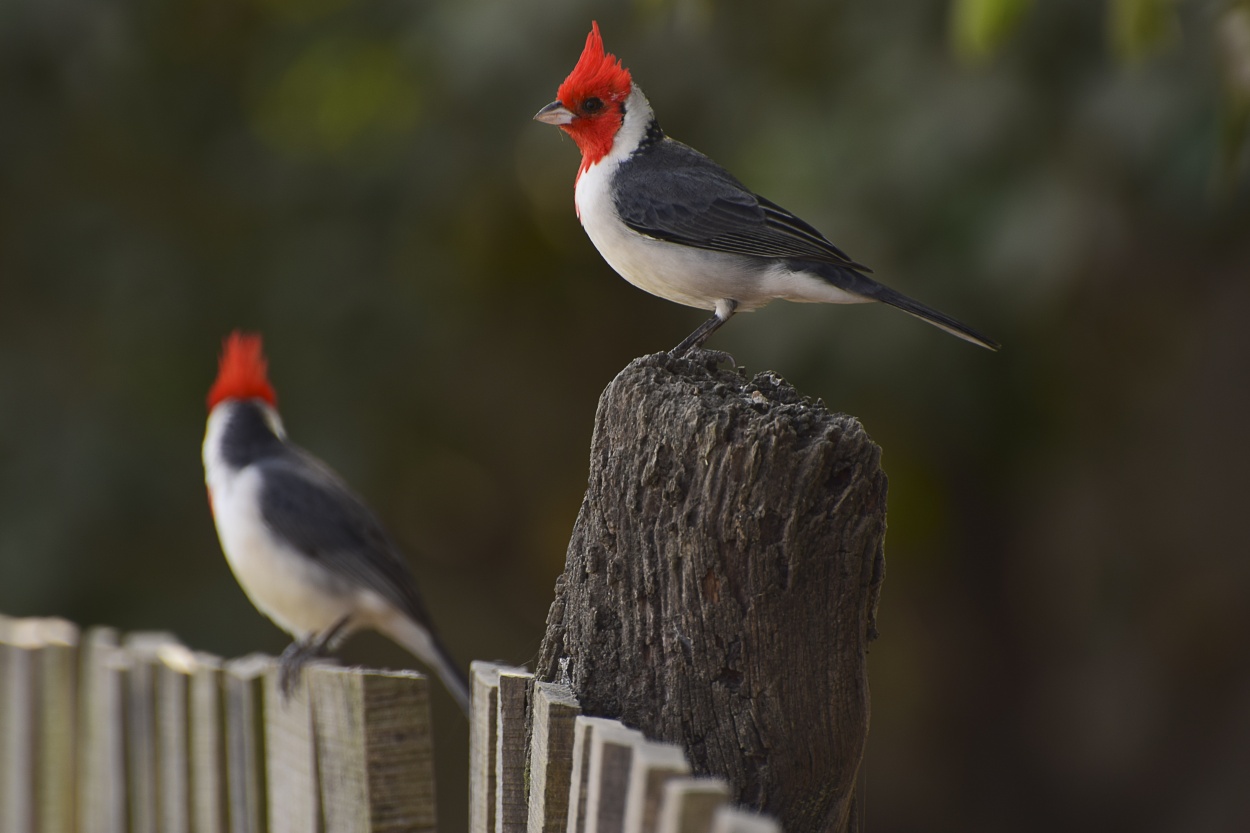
pixel 290 667
pixel 299 652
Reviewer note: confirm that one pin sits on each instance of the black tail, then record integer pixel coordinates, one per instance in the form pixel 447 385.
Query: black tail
pixel 863 285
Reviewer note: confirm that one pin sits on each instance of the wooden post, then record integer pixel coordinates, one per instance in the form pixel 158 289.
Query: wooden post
pixel 551 757
pixel 727 560
pixel 375 752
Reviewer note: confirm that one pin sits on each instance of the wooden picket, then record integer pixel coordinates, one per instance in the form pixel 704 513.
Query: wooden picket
pixel 109 733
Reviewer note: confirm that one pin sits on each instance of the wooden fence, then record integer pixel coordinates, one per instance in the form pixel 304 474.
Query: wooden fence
pixel 104 733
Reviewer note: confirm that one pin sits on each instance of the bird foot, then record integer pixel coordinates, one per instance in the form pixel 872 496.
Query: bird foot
pixel 703 357
pixel 299 652
pixel 291 666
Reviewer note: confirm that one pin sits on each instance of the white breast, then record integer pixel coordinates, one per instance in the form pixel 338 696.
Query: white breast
pixel 681 274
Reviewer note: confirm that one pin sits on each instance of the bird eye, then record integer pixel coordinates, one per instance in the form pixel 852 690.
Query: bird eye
pixel 592 105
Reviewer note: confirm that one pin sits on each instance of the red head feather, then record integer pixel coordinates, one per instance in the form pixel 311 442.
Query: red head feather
pixel 598 74
pixel 243 372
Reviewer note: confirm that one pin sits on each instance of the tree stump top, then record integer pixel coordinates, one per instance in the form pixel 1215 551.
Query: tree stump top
pixel 721 583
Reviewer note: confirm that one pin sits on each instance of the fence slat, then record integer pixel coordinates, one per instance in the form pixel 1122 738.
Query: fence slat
pixel 579 772
pixel 611 759
pixel 143 759
pixel 18 665
pixel 189 764
pixel 611 752
pixel 554 708
pixel 206 735
pixel 290 759
pixel 171 744
pixel 159 739
pixel 511 802
pixel 56 774
pixel 246 753
pixel 653 765
pixel 483 714
pixel 374 749
pixel 730 820
pixel 38 716
pixel 102 722
pixel 688 804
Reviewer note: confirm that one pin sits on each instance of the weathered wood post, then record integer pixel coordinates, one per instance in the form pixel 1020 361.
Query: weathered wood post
pixel 721 583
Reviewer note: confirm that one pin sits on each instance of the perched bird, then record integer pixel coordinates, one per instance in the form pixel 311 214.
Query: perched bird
pixel 676 224
pixel 306 549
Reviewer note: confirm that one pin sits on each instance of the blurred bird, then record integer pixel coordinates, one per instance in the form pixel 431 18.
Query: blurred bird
pixel 306 549
pixel 676 224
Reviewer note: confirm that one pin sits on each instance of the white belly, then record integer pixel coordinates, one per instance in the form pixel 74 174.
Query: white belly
pixel 296 593
pixel 686 275
pixel 301 596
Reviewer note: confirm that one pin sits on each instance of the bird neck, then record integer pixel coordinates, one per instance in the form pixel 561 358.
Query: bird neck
pixel 243 431
pixel 637 118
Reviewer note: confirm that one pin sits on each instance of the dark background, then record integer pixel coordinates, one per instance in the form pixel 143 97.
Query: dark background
pixel 1064 621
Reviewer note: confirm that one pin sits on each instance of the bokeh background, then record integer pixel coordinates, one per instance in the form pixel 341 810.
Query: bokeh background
pixel 1065 620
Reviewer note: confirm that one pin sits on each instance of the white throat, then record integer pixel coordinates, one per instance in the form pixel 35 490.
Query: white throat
pixel 218 420
pixel 638 114
pixel 593 183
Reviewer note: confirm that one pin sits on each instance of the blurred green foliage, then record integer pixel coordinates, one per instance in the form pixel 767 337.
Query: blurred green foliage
pixel 338 95
pixel 1141 28
pixel 360 180
pixel 1138 28
pixel 980 27
pixel 1233 43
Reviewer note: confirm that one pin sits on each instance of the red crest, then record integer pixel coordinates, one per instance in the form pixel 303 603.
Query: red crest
pixel 243 372
pixel 597 73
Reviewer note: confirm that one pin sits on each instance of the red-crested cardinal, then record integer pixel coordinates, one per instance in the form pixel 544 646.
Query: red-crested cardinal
pixel 305 548
pixel 676 224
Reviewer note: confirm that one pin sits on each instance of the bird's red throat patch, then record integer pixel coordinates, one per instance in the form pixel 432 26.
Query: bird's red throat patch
pixel 242 372
pixel 598 75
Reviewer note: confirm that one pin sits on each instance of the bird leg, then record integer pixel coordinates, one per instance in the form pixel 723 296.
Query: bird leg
pixel 333 638
pixel 299 652
pixel 724 309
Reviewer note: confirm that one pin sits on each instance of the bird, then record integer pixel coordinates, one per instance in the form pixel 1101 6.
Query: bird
pixel 306 549
pixel 678 225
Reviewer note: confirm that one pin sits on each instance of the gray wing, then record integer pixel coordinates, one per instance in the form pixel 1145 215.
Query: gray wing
pixel 307 504
pixel 672 192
